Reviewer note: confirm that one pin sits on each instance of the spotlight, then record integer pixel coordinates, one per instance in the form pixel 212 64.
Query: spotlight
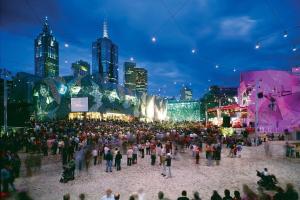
pixel 193 51
pixel 153 39
pixel 66 45
pixel 285 34
pixel 294 49
pixel 131 59
pixel 217 66
pixel 234 70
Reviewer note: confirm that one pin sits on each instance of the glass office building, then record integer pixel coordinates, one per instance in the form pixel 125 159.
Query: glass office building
pixel 105 58
pixel 46 57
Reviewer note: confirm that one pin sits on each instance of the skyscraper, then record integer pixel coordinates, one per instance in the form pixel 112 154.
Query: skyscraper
pixel 105 58
pixel 135 78
pixel 80 68
pixel 46 57
pixel 129 75
pixel 141 80
pixel 186 93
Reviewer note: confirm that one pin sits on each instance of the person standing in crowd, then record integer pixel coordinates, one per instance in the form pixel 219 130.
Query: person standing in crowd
pixel 249 194
pixel 153 156
pixel 82 196
pixel 163 164
pixel 118 160
pixel 135 150
pixel 100 154
pixel 168 165
pixel 160 195
pixel 227 195
pixel 109 160
pixel 209 154
pixel 237 195
pixel 108 195
pixel 66 197
pixel 147 147
pixel 196 196
pixel 143 150
pixel 175 152
pixel 95 155
pixel 239 150
pixel 197 153
pixel 159 152
pixel 117 196
pixel 218 150
pixel 216 196
pixel 88 157
pixel 183 196
pixel 129 156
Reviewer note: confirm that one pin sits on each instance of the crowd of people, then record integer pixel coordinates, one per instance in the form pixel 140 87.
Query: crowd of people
pixel 288 194
pixel 82 142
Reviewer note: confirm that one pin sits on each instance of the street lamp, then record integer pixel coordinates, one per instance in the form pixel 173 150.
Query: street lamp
pixel 5 74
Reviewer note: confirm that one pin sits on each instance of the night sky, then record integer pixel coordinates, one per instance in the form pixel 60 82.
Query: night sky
pixel 222 32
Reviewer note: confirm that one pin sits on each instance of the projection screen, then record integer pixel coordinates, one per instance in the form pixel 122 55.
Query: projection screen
pixel 79 104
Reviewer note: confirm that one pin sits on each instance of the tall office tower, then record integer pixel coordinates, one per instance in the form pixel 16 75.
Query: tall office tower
pixel 46 57
pixel 80 68
pixel 186 93
pixel 141 80
pixel 129 75
pixel 105 58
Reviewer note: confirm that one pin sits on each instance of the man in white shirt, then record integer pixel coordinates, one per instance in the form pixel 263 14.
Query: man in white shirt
pixel 108 195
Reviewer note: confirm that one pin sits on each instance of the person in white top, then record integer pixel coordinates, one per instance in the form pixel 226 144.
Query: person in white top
pixel 95 155
pixel 108 195
pixel 129 156
pixel 105 150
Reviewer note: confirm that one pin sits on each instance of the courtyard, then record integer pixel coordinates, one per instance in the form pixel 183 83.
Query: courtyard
pixel 231 174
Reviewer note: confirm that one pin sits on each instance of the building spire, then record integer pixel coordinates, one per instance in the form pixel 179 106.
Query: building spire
pixel 46 27
pixel 105 29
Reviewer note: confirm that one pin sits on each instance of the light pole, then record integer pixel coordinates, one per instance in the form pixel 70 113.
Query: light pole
pixel 4 74
pixel 256 109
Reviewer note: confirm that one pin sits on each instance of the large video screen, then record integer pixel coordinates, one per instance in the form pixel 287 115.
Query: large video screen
pixel 79 104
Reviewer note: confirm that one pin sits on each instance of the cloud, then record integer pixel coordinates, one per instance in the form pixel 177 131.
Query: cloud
pixel 236 27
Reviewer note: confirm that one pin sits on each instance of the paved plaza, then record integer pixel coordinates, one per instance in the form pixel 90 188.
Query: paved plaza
pixel 231 174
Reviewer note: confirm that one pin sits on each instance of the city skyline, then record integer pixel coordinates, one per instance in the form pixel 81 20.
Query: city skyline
pixel 190 43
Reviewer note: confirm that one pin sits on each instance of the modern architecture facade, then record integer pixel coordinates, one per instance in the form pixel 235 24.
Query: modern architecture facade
pixel 183 110
pixel 105 58
pixel 141 81
pixel 80 68
pixel 135 78
pixel 186 93
pixel 274 95
pixel 129 75
pixel 46 55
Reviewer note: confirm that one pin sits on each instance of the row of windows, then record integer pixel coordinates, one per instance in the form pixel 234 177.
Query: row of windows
pixel 51 52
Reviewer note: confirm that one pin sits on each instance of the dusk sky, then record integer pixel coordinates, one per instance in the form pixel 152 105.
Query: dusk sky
pixel 222 32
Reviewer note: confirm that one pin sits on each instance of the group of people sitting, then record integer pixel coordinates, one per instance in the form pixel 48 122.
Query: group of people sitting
pixel 289 194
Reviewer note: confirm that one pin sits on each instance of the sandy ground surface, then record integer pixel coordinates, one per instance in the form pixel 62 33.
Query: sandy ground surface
pixel 231 174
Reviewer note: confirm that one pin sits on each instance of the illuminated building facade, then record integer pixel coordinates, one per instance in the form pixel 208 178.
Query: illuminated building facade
pixel 80 68
pixel 135 78
pixel 52 100
pixel 183 110
pixel 186 93
pixel 275 95
pixel 141 81
pixel 46 57
pixel 105 58
pixel 129 75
